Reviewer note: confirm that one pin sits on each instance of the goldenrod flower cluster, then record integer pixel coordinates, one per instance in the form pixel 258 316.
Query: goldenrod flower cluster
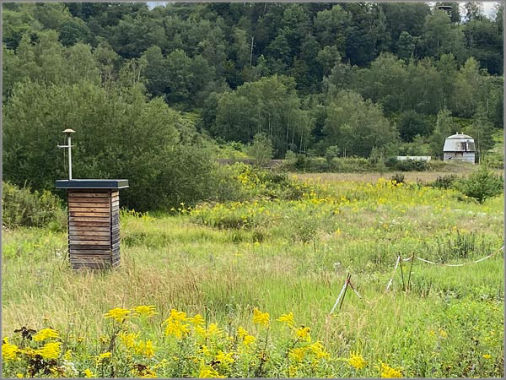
pixel 357 361
pixel 45 334
pixel 175 324
pixel 9 351
pixel 118 314
pixel 260 318
pixel 190 347
pixel 389 372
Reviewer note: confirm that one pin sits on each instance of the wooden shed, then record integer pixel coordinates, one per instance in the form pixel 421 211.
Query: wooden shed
pixel 93 221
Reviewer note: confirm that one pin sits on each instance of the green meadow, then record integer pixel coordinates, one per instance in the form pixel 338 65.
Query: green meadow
pixel 240 266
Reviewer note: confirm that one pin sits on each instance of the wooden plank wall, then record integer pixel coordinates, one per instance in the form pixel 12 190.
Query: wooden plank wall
pixel 93 228
pixel 115 228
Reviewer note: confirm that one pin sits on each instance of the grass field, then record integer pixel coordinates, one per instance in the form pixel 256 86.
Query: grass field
pixel 232 262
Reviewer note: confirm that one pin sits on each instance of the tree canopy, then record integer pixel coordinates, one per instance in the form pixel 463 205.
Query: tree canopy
pixel 357 77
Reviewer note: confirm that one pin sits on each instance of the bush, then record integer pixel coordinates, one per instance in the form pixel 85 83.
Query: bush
pixel 21 207
pixel 398 178
pixel 295 162
pixel 350 164
pixel 444 182
pixel 331 152
pixel 317 164
pixel 407 165
pixel 262 183
pixel 481 184
pixel 290 157
pixel 119 134
pixel 261 149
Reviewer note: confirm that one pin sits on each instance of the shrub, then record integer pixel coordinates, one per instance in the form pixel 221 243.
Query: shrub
pixel 398 178
pixel 331 152
pixel 119 134
pixel 317 164
pixel 481 184
pixel 290 157
pixel 407 165
pixel 444 182
pixel 261 149
pixel 21 207
pixel 255 182
pixel 226 187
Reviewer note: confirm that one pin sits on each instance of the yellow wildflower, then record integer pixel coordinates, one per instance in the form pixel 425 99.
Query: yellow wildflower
pixel 207 372
pixel 88 374
pixel 303 333
pixel 287 318
pixel 128 339
pixel 225 358
pixel 118 314
pixel 248 339
pixel 487 356
pixel 177 329
pixel 9 351
pixel 50 350
pixel 105 355
pixel 260 318
pixel 145 310
pixel 292 371
pixel 443 333
pixel 297 354
pixel 175 326
pixel 241 332
pixel 212 331
pixel 319 351
pixel 389 372
pixel 45 334
pixel 143 372
pixel 68 355
pixel 204 350
pixel 356 360
pixel 177 315
pixel 28 351
pixel 145 349
pixel 19 375
pixel 197 320
pixel 148 375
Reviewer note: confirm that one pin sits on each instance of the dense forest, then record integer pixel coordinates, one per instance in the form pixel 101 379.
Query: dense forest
pixel 154 92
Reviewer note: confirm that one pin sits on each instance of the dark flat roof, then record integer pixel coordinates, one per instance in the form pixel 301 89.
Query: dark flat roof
pixel 92 184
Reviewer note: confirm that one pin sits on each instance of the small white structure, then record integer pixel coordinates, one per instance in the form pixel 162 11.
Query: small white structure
pixel 414 158
pixel 459 147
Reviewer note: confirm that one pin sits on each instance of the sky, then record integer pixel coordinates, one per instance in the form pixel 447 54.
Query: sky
pixel 487 7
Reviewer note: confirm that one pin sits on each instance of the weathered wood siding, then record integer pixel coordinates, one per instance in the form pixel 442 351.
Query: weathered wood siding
pixel 93 228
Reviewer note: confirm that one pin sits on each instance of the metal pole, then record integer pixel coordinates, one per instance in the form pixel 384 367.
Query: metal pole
pixel 69 143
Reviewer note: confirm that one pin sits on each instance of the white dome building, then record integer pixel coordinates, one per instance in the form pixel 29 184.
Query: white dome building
pixel 459 147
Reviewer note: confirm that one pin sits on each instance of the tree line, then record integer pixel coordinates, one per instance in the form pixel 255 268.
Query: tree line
pixel 356 79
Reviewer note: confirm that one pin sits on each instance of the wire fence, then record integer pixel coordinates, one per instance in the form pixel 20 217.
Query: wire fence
pixel 398 262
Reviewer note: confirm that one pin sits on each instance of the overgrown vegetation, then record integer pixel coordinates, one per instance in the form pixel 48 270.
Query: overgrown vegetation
pixel 481 184
pixel 232 270
pixel 281 255
pixel 150 90
pixel 22 207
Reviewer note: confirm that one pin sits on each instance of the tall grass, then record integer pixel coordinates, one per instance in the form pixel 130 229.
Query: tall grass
pixel 449 324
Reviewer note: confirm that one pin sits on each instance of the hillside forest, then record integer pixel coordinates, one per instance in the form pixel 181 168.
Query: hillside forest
pixel 157 94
